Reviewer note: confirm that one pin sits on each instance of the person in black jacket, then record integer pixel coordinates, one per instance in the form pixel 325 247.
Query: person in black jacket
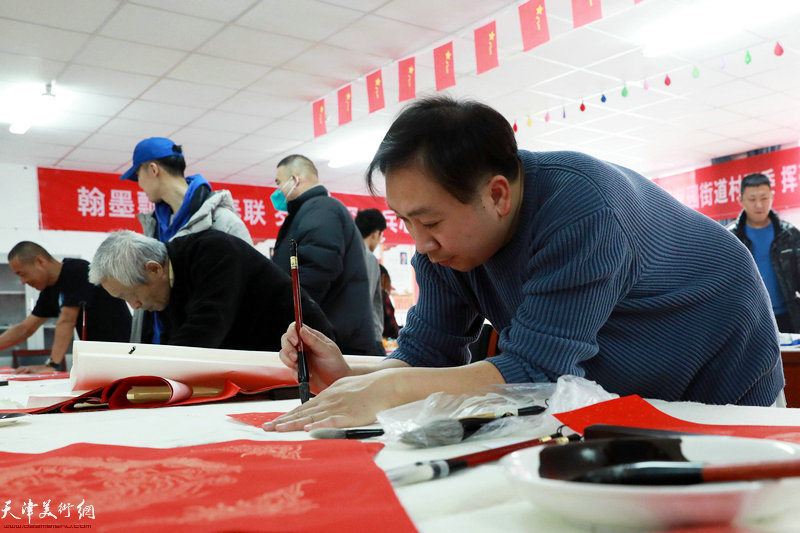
pixel 212 290
pixel 775 245
pixel 330 252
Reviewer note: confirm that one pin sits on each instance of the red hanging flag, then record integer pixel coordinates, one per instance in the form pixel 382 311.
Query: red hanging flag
pixel 443 66
pixel 407 76
pixel 585 11
pixel 319 118
pixel 486 47
pixel 345 105
pixel 533 19
pixel 375 91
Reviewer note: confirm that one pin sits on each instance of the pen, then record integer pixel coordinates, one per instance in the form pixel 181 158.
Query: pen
pixel 302 366
pixel 427 470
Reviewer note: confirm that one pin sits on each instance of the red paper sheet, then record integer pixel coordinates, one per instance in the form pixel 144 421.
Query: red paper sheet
pixel 330 485
pixel 633 411
pixel 255 419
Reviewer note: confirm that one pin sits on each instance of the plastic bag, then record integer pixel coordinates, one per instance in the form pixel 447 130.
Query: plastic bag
pixel 438 419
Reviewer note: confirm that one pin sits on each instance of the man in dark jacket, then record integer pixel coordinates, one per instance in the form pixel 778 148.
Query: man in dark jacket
pixel 775 245
pixel 211 289
pixel 330 252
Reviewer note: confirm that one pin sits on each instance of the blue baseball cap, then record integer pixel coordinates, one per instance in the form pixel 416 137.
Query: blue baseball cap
pixel 150 150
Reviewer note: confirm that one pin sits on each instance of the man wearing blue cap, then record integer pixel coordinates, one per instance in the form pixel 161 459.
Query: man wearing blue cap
pixel 183 205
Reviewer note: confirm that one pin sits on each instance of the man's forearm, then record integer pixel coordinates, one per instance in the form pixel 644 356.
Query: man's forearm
pixel 14 335
pixel 61 339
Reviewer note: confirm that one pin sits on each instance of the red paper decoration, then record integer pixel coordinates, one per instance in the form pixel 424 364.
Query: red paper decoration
pixel 667 81
pixel 583 107
pixel 778 49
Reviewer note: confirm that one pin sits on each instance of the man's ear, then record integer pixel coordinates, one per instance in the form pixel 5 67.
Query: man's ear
pixel 40 261
pixel 154 268
pixel 498 190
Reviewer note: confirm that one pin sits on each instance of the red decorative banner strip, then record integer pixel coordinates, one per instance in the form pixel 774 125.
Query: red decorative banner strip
pixel 407 78
pixel 443 66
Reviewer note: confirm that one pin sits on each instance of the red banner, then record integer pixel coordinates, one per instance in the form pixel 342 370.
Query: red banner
pixel 533 20
pixel 443 66
pixel 93 201
pixel 319 118
pixel 486 47
pixel 714 190
pixel 407 79
pixel 375 91
pixel 585 11
pixel 345 105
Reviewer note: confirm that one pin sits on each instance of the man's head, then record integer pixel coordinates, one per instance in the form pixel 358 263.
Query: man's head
pixel 386 279
pixel 453 176
pixel 295 175
pixel 756 199
pixel 371 224
pixel 155 158
pixel 133 267
pixel 34 265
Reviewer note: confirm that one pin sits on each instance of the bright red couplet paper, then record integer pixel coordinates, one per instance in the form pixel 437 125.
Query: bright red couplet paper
pixel 242 485
pixel 633 411
pixel 255 419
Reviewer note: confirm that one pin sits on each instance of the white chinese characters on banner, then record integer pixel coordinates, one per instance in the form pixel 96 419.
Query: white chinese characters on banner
pixel 91 202
pixel 121 204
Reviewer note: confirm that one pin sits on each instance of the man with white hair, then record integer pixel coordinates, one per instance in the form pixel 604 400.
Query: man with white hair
pixel 212 290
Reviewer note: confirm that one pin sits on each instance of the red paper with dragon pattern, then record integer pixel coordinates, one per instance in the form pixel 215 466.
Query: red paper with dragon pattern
pixel 330 485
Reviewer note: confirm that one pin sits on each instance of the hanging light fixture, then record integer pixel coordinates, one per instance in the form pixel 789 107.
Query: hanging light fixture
pixel 26 107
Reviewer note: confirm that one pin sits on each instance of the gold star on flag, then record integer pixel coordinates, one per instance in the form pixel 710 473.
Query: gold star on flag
pixel 539 9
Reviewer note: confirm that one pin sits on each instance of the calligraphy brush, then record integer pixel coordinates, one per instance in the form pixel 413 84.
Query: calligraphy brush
pixel 454 430
pixel 302 364
pixel 689 473
pixel 427 470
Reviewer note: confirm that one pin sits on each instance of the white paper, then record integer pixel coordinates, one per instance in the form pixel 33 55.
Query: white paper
pixel 97 364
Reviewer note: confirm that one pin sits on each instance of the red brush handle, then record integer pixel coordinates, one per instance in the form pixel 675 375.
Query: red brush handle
pixel 752 471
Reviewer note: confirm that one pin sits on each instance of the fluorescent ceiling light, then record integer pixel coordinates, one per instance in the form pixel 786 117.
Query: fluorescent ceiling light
pixel 28 105
pixel 700 23
pixel 356 150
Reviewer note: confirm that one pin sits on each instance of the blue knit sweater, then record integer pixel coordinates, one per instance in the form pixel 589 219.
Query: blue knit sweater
pixel 610 278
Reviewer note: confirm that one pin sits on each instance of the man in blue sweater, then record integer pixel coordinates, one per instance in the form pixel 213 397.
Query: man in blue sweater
pixel 584 267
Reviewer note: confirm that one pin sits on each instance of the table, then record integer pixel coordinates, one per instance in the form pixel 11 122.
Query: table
pixel 477 500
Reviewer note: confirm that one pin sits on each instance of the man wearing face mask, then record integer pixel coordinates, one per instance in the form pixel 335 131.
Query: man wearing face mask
pixel 330 251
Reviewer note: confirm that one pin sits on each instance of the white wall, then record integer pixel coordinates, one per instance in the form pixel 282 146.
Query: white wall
pixel 19 218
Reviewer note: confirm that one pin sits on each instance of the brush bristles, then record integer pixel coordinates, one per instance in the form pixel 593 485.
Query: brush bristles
pixel 437 433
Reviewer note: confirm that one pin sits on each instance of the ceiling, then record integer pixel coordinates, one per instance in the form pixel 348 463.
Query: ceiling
pixel 233 81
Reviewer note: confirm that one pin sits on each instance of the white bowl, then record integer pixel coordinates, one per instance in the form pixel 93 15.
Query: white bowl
pixel 637 506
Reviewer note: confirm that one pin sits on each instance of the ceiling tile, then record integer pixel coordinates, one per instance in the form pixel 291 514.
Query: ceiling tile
pixel 77 15
pixel 262 105
pixel 26 69
pixel 304 19
pixel 184 93
pixel 284 82
pixel 251 46
pixel 210 9
pixel 335 62
pixel 217 71
pixel 96 104
pixel 128 56
pixel 390 38
pixel 95 80
pixel 162 113
pixel 39 41
pixel 159 28
pixel 235 122
pixel 440 15
pixel 137 128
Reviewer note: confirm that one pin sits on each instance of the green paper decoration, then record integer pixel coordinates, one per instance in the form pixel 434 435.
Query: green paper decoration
pixel 625 91
pixel 747 58
pixel 695 72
